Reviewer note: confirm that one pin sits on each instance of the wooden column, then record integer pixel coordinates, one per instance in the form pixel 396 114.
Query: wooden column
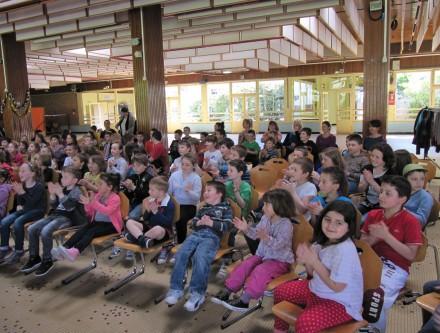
pixel 148 69
pixel 375 70
pixel 14 78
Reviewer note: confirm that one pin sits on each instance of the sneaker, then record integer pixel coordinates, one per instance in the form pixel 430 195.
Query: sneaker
pixel 172 258
pixel 163 255
pixel 13 258
pixel 173 296
pixel 116 251
pixel 129 256
pixel 236 305
pixel 144 242
pixel 45 267
pixel 130 238
pixel 4 253
pixel 222 272
pixel 57 253
pixel 222 296
pixel 194 302
pixel 31 265
pixel 70 254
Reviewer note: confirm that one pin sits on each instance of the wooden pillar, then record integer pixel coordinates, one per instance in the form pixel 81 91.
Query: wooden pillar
pixel 375 69
pixel 148 69
pixel 14 79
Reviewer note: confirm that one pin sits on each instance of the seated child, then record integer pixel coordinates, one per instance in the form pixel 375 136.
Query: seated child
pixel 210 223
pixel 96 166
pixel 80 163
pixel 298 152
pixel 269 151
pixel 252 147
pixel 67 211
pixel 237 189
pixel 157 224
pixel 420 202
pixel 117 164
pixel 5 189
pixel 395 235
pixel 238 152
pixel 334 294
pixel 355 160
pixel 212 156
pixel 104 211
pixel 173 151
pixel 374 137
pixel 304 136
pixel 273 257
pixel 184 147
pixel 220 172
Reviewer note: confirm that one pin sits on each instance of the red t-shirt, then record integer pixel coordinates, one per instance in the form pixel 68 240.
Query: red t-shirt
pixel 403 226
pixel 155 150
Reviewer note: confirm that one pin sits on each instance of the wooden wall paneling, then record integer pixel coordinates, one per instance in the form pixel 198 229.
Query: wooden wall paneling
pixel 58 104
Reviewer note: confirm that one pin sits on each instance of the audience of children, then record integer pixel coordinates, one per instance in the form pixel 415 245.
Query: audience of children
pixel 326 139
pixel 355 160
pixel 374 137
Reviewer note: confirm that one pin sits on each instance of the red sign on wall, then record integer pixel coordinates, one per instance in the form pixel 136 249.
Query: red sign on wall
pixel 391 98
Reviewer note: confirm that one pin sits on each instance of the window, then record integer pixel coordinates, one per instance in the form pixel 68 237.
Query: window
pixel 271 95
pixel 191 103
pixel 249 87
pixel 413 89
pixel 305 99
pixel 437 77
pixel 218 102
pixel 172 98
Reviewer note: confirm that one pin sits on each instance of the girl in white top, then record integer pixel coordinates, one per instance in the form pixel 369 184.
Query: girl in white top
pixel 116 163
pixel 334 294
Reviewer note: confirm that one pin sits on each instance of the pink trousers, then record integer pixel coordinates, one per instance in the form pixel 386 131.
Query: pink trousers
pixel 255 274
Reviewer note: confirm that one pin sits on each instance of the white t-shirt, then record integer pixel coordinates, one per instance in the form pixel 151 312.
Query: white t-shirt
pixel 342 260
pixel 305 190
pixel 214 157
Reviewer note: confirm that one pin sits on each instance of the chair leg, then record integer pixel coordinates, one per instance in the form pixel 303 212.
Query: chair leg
pixel 136 272
pixel 257 306
pixel 83 271
pixel 437 264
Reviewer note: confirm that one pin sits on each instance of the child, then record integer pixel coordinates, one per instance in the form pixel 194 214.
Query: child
pixel 297 182
pixel 395 235
pixel 184 147
pixel 375 137
pixel 70 151
pixel 334 294
pixel 156 152
pixel 273 131
pixel 325 139
pixel 330 157
pixel 212 156
pixel 332 186
pixel 247 126
pixel 269 151
pixel 221 171
pixel 420 202
pixel 116 163
pixel 107 145
pixel 137 186
pixel 57 149
pixel 186 133
pixel 185 186
pixel 209 225
pixel 292 138
pixel 96 167
pixel 174 146
pixel 253 148
pixel 304 136
pixel 104 211
pixel 355 160
pixel 298 152
pixel 44 163
pixel 237 189
pixel 220 134
pixel 157 224
pixel 382 160
pixel 80 163
pixel 34 148
pixel 5 189
pixel 23 147
pixel 14 154
pixel 238 152
pixel 273 257
pixel 31 206
pixel 68 211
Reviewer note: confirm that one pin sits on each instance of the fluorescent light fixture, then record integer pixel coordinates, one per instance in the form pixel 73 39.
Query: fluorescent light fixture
pixel 227 72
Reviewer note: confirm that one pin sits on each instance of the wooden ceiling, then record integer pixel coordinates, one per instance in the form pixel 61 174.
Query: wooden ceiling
pixel 74 41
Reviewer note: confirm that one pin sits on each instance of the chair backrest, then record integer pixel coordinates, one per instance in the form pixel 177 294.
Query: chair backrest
pixel 435 210
pixel 255 199
pixel 278 164
pixel 10 203
pixel 176 216
pixel 262 178
pixel 371 265
pixel 421 251
pixel 236 210
pixel 414 159
pixel 302 232
pixel 205 177
pixel 431 170
pixel 125 205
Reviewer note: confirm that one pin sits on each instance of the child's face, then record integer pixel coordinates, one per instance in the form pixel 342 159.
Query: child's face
pixel 326 184
pixel 11 148
pixel 389 197
pixel 139 167
pixel 182 149
pixel 296 173
pixel 373 130
pixel 5 144
pixel 115 150
pixel 210 145
pixel 93 167
pixel 376 158
pixel 211 196
pixel 68 150
pixel 46 150
pixel 87 141
pixel 272 128
pixel 325 128
pixel 268 210
pixel 155 192
pixel 187 166
pixel 296 127
pixel 246 125
pixel 103 187
pixel 140 137
pixel 298 153
pixel 77 164
pixel 224 150
pixel 67 179
pixel 69 139
pixel 54 142
pixel 326 161
pixel 202 138
pixel 22 147
pixel 353 147
pixel 36 160
pixel 269 145
pixel 250 137
pixel 25 173
pixel 219 136
pixel 177 136
pixel 417 180
pixel 303 136
pixel 186 131
pixel 107 137
pixel 334 226
pixel 234 155
pixel 233 173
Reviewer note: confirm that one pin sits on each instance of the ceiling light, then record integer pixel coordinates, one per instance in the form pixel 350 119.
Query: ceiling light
pixel 227 72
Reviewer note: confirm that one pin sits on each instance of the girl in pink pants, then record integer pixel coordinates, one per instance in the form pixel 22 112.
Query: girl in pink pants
pixel 274 254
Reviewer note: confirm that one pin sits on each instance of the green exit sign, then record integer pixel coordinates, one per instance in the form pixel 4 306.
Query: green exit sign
pixel 375 5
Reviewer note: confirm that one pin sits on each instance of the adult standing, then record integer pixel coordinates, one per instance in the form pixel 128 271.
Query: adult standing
pixel 127 124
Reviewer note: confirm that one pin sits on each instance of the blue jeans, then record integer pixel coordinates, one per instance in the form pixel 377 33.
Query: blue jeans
pixel 136 212
pixel 352 187
pixel 201 246
pixel 19 219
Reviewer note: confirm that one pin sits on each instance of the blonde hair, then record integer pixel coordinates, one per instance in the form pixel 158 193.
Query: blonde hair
pixel 335 155
pixel 160 182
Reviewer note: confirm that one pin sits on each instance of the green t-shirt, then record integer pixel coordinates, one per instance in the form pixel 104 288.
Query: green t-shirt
pixel 245 193
pixel 252 146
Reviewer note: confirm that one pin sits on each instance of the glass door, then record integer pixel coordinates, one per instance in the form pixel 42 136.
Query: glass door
pixel 344 111
pixel 244 106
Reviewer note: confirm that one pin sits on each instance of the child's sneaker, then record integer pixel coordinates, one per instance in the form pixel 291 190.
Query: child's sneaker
pixel 236 305
pixel 163 255
pixel 116 251
pixel 13 258
pixel 194 302
pixel 4 253
pixel 173 296
pixel 172 258
pixel 222 296
pixel 129 256
pixel 70 254
pixel 57 253
pixel 31 265
pixel 45 267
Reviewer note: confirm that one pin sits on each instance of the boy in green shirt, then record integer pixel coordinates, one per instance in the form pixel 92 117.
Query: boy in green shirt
pixel 253 148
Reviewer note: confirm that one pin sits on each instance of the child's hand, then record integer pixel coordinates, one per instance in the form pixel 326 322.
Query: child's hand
pixel 316 176
pixel 128 183
pixel 379 230
pixel 146 204
pixel 84 199
pixel 262 234
pixel 188 187
pixel 315 208
pixel 58 189
pixel 240 224
pixel 368 176
pixel 110 163
pixel 83 182
pixel 206 220
pixel 154 207
pixel 289 186
pixel 305 254
pixel 18 188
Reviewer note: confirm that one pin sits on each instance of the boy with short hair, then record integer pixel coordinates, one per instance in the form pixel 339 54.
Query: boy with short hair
pixel 107 145
pixel 420 202
pixel 221 171
pixel 269 151
pixel 186 133
pixel 238 152
pixel 252 147
pixel 395 235
pixel 184 147
pixel 374 137
pixel 210 223
pixel 157 224
pixel 355 160
pixel 212 156
pixel 67 211
pixel 174 146
pixel 304 136
pixel 70 150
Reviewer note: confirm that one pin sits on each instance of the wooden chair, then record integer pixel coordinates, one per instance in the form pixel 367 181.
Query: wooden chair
pixel 205 178
pixel 262 178
pixel 277 165
pixel 302 233
pixel 97 241
pixel 431 170
pixel 429 302
pixel 371 270
pixel 435 211
pixel 255 199
pixel 414 158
